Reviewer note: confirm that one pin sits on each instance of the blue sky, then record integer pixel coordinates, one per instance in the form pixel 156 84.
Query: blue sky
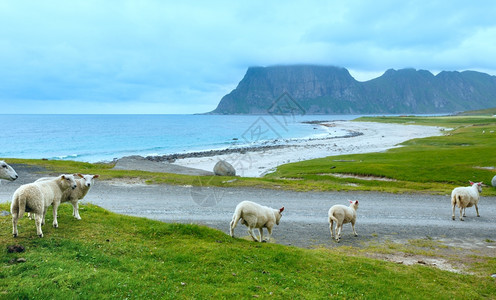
pixel 144 56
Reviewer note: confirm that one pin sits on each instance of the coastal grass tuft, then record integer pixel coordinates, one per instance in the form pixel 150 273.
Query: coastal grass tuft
pixel 110 256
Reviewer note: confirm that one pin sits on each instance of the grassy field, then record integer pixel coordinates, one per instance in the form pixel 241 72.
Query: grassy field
pixel 110 256
pixel 433 165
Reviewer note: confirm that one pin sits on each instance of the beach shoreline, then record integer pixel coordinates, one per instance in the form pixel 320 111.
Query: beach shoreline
pixel 344 137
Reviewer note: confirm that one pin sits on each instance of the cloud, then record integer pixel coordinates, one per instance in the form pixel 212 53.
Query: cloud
pixel 166 57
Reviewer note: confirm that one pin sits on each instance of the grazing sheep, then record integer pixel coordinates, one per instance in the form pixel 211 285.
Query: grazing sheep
pixel 341 215
pixel 464 197
pixel 36 197
pixel 73 196
pixel 7 172
pixel 254 215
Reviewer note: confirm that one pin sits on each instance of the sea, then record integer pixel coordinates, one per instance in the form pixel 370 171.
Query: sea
pixel 104 138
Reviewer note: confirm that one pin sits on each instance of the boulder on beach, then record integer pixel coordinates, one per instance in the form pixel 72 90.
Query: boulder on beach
pixel 223 168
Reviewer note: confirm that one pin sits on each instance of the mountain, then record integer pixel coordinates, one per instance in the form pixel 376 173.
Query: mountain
pixel 332 90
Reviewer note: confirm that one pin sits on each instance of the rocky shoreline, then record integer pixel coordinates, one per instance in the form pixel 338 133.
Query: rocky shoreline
pixel 171 158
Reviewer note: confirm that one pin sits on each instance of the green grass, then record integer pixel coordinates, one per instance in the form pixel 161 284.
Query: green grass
pixel 434 164
pixel 110 256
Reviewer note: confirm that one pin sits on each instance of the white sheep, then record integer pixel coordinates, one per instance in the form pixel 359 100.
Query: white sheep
pixel 254 215
pixel 341 215
pixel 36 197
pixel 464 197
pixel 7 172
pixel 74 195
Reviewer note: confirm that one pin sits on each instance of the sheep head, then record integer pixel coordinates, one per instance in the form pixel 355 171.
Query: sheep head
pixel 69 180
pixel 88 179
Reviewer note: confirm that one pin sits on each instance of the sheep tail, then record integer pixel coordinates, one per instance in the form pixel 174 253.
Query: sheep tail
pixel 456 200
pixel 333 218
pixel 19 206
pixel 235 219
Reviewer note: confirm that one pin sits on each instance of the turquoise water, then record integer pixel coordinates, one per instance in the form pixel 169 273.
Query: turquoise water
pixel 93 138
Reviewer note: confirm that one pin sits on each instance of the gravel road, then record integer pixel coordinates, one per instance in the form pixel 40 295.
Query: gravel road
pixel 381 216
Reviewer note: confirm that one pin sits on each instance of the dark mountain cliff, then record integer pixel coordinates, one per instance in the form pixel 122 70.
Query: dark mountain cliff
pixel 332 90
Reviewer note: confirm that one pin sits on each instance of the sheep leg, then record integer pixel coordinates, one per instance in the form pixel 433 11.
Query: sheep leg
pixel 461 214
pixel 453 214
pixel 337 232
pixel 331 223
pixel 353 227
pixel 43 217
pixel 477 210
pixel 464 209
pixel 14 224
pixel 75 210
pixel 233 225
pixel 38 222
pixel 250 231
pixel 261 235
pixel 55 207
pixel 269 230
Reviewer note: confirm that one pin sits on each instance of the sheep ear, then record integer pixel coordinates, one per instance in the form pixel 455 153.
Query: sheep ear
pixel 350 201
pixel 471 183
pixel 96 176
pixel 62 176
pixel 281 209
pixel 80 175
pixel 357 202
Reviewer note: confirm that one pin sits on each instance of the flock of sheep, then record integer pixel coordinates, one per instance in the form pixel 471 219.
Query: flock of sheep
pixel 36 197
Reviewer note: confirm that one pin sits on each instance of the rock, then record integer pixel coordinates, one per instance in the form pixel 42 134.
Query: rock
pixel 15 248
pixel 223 168
pixel 493 182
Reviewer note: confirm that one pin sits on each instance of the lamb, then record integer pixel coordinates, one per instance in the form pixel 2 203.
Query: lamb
pixel 7 172
pixel 73 196
pixel 341 215
pixel 464 197
pixel 254 215
pixel 36 197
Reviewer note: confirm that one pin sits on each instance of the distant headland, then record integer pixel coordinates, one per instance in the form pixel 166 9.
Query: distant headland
pixel 312 89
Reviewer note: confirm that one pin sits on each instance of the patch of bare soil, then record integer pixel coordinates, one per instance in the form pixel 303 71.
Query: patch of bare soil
pixel 127 182
pixel 368 177
pixel 445 254
pixel 412 259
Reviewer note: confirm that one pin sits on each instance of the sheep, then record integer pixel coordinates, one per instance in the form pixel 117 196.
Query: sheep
pixel 464 197
pixel 7 172
pixel 36 197
pixel 341 215
pixel 254 215
pixel 73 196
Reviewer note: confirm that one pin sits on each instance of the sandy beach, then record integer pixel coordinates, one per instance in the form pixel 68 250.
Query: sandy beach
pixel 345 137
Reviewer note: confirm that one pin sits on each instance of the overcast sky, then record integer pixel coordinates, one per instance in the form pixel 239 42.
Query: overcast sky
pixel 144 56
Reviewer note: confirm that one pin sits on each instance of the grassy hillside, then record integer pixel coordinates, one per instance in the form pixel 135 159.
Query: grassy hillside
pixel 109 256
pixel 434 164
pixel 481 112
